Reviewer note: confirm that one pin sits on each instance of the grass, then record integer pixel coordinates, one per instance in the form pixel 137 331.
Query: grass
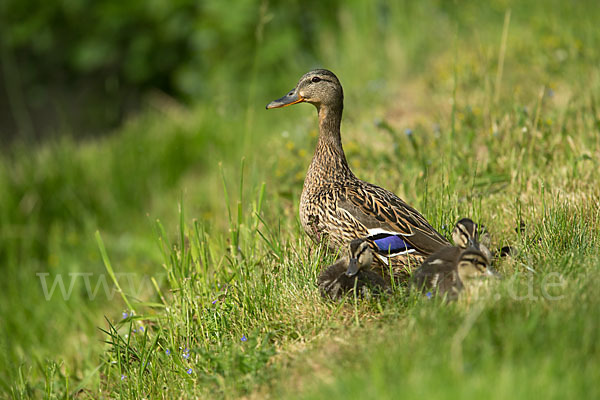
pixel 492 114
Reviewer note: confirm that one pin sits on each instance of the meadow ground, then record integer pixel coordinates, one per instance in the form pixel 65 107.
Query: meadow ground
pixel 488 112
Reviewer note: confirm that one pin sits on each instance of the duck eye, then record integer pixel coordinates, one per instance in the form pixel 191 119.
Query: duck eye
pixel 316 79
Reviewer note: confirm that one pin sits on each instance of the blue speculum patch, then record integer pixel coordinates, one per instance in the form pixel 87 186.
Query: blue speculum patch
pixel 389 244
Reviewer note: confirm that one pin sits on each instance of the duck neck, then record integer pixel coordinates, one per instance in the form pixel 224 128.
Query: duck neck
pixel 329 161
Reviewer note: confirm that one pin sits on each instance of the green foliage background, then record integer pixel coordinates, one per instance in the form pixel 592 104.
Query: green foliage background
pixel 102 58
pixel 81 67
pixel 498 135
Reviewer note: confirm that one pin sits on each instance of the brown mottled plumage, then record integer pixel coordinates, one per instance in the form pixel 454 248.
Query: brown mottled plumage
pixel 336 207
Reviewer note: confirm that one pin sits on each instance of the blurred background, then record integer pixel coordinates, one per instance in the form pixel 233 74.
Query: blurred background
pixel 80 67
pixel 112 113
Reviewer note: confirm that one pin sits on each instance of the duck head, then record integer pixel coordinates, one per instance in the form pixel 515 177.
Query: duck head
pixel 465 233
pixel 474 263
pixel 319 87
pixel 361 256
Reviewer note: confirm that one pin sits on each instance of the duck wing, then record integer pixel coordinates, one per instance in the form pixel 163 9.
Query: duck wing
pixel 393 225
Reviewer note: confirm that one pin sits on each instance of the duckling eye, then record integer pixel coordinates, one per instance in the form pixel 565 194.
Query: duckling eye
pixel 315 79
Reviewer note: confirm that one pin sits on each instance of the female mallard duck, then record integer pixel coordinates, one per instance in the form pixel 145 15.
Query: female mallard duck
pixel 450 269
pixel 336 207
pixel 335 281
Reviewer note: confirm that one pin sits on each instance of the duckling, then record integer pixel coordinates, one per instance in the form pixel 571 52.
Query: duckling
pixel 451 270
pixel 440 271
pixel 336 207
pixel 352 271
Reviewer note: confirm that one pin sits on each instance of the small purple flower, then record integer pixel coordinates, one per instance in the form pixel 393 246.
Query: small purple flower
pixel 186 353
pixel 168 352
pixel 133 331
pixel 141 329
pixel 429 295
pixel 214 301
pixel 408 131
pixel 244 338
pixel 189 371
pixel 123 377
pixel 125 315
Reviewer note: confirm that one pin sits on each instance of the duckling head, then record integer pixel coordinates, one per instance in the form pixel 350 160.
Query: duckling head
pixel 465 232
pixel 473 264
pixel 361 256
pixel 319 87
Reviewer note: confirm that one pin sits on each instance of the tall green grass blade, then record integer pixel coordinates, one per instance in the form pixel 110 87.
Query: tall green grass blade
pixel 111 272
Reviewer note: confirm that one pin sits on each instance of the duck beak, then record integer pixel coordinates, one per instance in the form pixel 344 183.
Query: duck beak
pixel 291 98
pixel 352 267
